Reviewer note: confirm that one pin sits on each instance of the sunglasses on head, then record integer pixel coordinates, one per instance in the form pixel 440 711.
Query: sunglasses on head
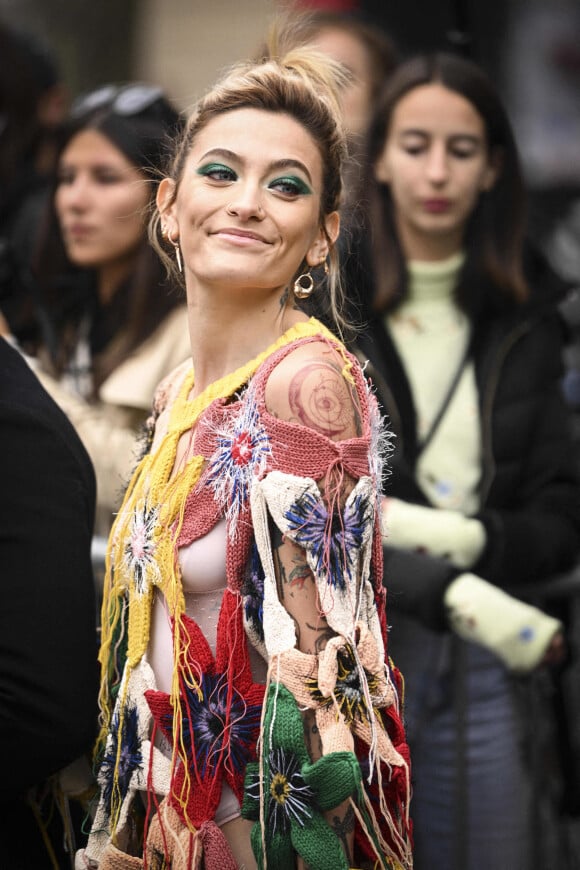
pixel 124 100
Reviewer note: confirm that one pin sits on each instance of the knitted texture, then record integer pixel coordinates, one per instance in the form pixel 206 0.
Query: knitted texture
pixel 286 792
pixel 242 464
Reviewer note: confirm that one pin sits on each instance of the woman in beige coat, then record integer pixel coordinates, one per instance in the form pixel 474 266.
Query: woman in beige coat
pixel 111 325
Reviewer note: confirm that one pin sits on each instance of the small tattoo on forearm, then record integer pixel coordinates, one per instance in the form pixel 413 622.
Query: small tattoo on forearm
pixel 343 828
pixel 299 574
pixel 280 573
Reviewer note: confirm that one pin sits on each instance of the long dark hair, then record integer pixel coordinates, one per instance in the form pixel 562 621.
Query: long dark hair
pixel 141 123
pixel 492 275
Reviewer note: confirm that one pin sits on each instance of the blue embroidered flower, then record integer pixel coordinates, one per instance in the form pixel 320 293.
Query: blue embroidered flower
pixel 118 767
pixel 334 540
pixel 241 454
pixel 289 796
pixel 219 718
pixel 206 718
pixel 253 593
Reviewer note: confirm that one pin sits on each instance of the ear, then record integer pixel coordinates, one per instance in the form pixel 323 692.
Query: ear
pixel 325 239
pixel 493 170
pixel 165 200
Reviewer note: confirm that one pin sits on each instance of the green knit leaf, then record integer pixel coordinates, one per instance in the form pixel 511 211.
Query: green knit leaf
pixel 251 804
pixel 333 778
pixel 279 851
pixel 318 845
pixel 281 708
pixel 294 789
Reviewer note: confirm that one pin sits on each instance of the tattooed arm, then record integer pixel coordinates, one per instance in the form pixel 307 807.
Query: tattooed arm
pixel 308 388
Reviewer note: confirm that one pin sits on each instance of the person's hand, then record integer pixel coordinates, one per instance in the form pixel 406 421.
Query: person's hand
pixel 556 651
pixel 522 636
pixel 443 533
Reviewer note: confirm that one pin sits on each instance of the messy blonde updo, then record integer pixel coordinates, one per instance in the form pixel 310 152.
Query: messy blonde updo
pixel 302 83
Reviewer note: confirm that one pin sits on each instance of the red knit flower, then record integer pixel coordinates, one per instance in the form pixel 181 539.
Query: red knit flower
pixel 220 711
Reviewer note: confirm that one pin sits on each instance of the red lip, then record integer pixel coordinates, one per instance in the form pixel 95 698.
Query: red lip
pixel 77 230
pixel 436 206
pixel 241 234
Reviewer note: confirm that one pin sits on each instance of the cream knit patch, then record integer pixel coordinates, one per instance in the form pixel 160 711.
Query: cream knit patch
pixel 337 542
pixel 130 763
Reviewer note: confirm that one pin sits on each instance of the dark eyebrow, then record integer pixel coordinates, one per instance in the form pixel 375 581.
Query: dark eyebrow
pixel 283 164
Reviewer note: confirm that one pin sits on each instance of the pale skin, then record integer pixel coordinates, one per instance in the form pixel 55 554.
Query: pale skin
pixel 247 216
pixel 437 163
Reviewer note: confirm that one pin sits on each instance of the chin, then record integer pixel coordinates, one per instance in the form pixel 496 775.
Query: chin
pixel 83 256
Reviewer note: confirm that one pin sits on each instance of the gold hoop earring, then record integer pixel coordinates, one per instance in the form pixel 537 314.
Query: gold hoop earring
pixel 177 251
pixel 303 286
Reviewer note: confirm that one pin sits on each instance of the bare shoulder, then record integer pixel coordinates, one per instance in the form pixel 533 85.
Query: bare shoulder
pixel 309 387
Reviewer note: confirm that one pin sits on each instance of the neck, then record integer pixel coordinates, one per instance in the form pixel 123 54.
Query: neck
pixel 225 333
pixel 110 278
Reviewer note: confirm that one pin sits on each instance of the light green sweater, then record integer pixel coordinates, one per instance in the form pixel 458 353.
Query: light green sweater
pixel 431 334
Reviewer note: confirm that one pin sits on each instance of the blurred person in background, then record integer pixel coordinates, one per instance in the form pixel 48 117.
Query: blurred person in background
pixel 368 56
pixel 48 667
pixel 483 495
pixel 33 106
pixel 116 325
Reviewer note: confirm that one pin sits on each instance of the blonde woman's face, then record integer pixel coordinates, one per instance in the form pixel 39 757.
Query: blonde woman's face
pixel 100 201
pixel 247 210
pixel 436 163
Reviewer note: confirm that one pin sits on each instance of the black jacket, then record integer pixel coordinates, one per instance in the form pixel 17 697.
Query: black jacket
pixel 530 495
pixel 48 645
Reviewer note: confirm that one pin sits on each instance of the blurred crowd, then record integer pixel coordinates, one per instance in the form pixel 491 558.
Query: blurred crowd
pixel 481 505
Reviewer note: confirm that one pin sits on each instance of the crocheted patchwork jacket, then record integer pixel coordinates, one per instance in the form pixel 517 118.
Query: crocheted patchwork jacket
pixel 217 725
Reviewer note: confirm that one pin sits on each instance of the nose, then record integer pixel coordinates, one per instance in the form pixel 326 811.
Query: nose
pixel 437 164
pixel 247 203
pixel 74 194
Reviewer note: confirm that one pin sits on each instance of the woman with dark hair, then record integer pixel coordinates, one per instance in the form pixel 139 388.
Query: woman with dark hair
pixel 115 326
pixel 466 359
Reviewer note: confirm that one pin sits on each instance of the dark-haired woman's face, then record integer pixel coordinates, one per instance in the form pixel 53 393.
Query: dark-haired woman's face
pixel 99 202
pixel 436 163
pixel 350 51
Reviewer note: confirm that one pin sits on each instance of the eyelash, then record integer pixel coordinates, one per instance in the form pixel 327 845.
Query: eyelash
pixel 296 185
pixel 288 186
pixel 213 170
pixel 416 150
